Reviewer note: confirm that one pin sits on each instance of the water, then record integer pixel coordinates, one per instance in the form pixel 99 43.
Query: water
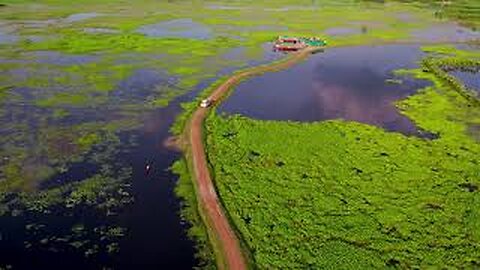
pixel 346 83
pixel 143 83
pixel 468 47
pixel 7 36
pixel 81 17
pixel 156 236
pixel 35 38
pixel 470 79
pixel 237 54
pixel 180 28
pixel 39 23
pixel 61 59
pixel 406 17
pixel 446 32
pixel 101 31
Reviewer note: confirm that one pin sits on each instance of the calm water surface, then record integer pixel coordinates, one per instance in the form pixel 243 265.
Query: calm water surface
pixel 341 83
pixel 155 236
pixel 470 79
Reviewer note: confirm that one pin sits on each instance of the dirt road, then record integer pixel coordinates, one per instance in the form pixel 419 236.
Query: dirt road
pixel 218 223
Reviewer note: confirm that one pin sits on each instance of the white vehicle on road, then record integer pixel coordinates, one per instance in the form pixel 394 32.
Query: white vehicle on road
pixel 206 103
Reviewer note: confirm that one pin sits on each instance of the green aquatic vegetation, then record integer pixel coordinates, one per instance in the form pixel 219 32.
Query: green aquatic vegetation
pixel 21 174
pixel 3 92
pixel 23 166
pixel 60 113
pixel 466 12
pixel 115 232
pixel 344 194
pixel 88 140
pixel 297 203
pixel 92 251
pixel 198 232
pixel 81 43
pixel 78 244
pixel 439 68
pixel 113 248
pixel 96 192
pixel 41 202
pixel 86 191
pixel 75 238
pixel 78 228
pixel 167 94
pixel 64 99
pixel 61 148
pixel 451 50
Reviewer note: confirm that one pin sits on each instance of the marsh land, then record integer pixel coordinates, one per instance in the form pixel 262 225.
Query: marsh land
pixel 364 155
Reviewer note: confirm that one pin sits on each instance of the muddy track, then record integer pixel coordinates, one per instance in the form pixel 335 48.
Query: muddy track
pixel 224 236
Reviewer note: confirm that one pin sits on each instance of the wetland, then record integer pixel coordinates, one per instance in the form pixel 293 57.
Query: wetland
pixel 91 91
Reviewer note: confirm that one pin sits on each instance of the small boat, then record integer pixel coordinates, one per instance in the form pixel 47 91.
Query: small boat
pixel 284 43
pixel 284 47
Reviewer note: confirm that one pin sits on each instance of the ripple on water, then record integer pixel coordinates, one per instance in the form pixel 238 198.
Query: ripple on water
pixel 179 28
pixel 342 83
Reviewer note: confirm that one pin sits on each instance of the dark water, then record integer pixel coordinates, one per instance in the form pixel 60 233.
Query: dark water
pixel 347 83
pixel 155 236
pixel 142 84
pixel 470 79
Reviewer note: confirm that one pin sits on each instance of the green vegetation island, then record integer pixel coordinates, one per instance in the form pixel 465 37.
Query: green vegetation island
pixel 93 91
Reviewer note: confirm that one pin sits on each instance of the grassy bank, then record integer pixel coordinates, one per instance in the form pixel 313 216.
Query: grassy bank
pixel 348 195
pixel 198 232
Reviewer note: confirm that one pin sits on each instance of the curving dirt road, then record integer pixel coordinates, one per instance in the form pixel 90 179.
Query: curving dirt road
pixel 224 236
